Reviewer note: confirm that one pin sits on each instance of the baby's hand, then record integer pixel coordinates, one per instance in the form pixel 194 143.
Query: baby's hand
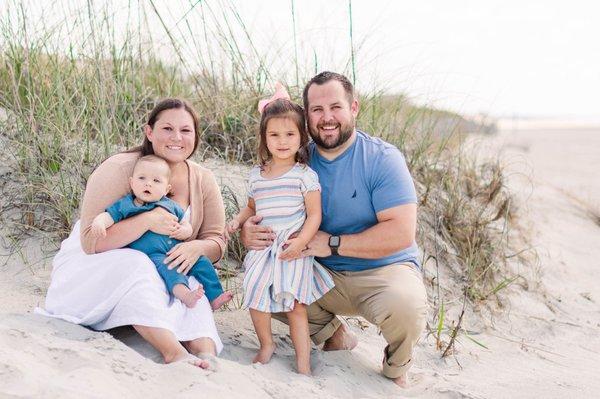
pixel 182 232
pixel 98 229
pixel 293 249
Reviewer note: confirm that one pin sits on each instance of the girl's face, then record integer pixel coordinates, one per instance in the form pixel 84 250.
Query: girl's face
pixel 283 139
pixel 173 135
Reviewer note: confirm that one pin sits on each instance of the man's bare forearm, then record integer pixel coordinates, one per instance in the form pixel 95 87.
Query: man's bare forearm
pixel 394 232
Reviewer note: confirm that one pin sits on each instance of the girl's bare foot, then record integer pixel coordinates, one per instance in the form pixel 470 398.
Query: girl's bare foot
pixel 221 300
pixel 189 298
pixel 264 354
pixel 304 369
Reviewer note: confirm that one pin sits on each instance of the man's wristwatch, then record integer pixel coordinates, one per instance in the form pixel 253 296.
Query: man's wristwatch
pixel 334 244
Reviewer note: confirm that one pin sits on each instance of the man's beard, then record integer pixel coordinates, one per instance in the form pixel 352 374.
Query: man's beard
pixel 345 134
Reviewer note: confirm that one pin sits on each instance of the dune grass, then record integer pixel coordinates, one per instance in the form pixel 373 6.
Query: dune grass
pixel 70 104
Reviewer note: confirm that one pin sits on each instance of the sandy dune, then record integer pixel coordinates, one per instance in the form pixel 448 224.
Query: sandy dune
pixel 543 342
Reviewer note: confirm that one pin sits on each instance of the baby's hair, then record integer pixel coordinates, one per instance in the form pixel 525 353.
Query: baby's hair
pixel 153 159
pixel 282 108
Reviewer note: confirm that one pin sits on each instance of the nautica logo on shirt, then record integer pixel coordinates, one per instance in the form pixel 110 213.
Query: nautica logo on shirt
pixel 354 194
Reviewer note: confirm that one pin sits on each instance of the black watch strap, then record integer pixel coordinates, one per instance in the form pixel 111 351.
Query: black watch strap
pixel 334 244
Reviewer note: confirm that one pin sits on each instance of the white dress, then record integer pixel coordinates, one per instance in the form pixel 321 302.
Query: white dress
pixel 120 287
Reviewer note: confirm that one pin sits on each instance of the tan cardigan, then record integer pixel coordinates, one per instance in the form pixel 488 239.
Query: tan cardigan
pixel 110 181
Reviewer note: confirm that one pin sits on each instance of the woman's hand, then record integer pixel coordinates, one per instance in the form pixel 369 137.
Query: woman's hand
pixel 160 221
pixel 183 256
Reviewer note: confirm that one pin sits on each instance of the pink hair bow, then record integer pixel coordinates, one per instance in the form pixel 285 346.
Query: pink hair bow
pixel 280 93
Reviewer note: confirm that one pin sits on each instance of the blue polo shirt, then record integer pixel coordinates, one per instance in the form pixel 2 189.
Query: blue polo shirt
pixel 369 177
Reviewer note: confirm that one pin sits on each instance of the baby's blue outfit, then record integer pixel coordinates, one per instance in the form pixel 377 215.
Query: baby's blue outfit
pixel 156 246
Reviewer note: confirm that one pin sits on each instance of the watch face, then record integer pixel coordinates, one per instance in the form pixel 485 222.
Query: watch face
pixel 334 241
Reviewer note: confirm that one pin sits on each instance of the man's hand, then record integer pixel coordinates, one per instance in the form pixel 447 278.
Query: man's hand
pixel 255 236
pixel 318 246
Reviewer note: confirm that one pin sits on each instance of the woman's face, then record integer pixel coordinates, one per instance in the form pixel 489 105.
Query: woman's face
pixel 173 135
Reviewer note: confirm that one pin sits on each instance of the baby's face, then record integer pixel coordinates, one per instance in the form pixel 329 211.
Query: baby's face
pixel 150 182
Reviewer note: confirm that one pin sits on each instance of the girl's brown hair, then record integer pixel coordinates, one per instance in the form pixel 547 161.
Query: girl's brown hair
pixel 168 103
pixel 282 108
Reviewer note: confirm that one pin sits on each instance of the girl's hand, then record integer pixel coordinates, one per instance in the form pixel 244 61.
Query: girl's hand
pixel 183 231
pixel 160 221
pixel 293 249
pixel 183 256
pixel 231 227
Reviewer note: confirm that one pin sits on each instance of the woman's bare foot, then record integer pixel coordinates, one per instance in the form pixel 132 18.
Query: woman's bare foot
pixel 221 300
pixel 264 354
pixel 193 360
pixel 188 297
pixel 342 339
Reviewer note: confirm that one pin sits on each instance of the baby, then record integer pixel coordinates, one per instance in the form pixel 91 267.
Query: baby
pixel 150 185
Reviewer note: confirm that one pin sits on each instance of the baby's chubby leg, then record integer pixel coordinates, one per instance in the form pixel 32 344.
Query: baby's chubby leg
pixel 177 283
pixel 204 271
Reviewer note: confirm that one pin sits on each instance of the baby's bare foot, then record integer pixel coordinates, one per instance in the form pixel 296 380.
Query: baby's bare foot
pixel 264 354
pixel 191 298
pixel 221 300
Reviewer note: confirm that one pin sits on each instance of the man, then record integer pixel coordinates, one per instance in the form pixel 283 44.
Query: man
pixel 367 236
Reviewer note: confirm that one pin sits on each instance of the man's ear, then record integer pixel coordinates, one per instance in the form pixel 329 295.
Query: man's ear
pixel 354 107
pixel 168 189
pixel 148 132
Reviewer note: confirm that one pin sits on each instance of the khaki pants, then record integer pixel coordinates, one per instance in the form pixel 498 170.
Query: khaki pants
pixel 392 297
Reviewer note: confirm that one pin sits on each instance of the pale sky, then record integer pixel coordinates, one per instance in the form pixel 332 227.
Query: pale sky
pixel 501 57
pixel 527 58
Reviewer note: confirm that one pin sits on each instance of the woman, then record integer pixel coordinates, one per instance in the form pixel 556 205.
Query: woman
pixel 97 284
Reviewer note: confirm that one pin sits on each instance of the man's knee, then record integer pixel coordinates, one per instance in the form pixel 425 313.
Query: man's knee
pixel 400 308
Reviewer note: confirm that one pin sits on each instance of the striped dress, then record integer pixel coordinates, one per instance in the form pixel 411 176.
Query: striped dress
pixel 270 284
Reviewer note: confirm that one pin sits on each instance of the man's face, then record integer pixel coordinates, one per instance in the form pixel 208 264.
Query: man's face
pixel 331 117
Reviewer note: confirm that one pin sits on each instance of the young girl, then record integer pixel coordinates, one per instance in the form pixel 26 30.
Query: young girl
pixel 286 193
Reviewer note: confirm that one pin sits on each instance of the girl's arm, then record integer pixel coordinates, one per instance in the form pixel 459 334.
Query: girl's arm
pixel 312 202
pixel 239 219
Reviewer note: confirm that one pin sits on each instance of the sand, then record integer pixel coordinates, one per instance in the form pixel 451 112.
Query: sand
pixel 542 341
